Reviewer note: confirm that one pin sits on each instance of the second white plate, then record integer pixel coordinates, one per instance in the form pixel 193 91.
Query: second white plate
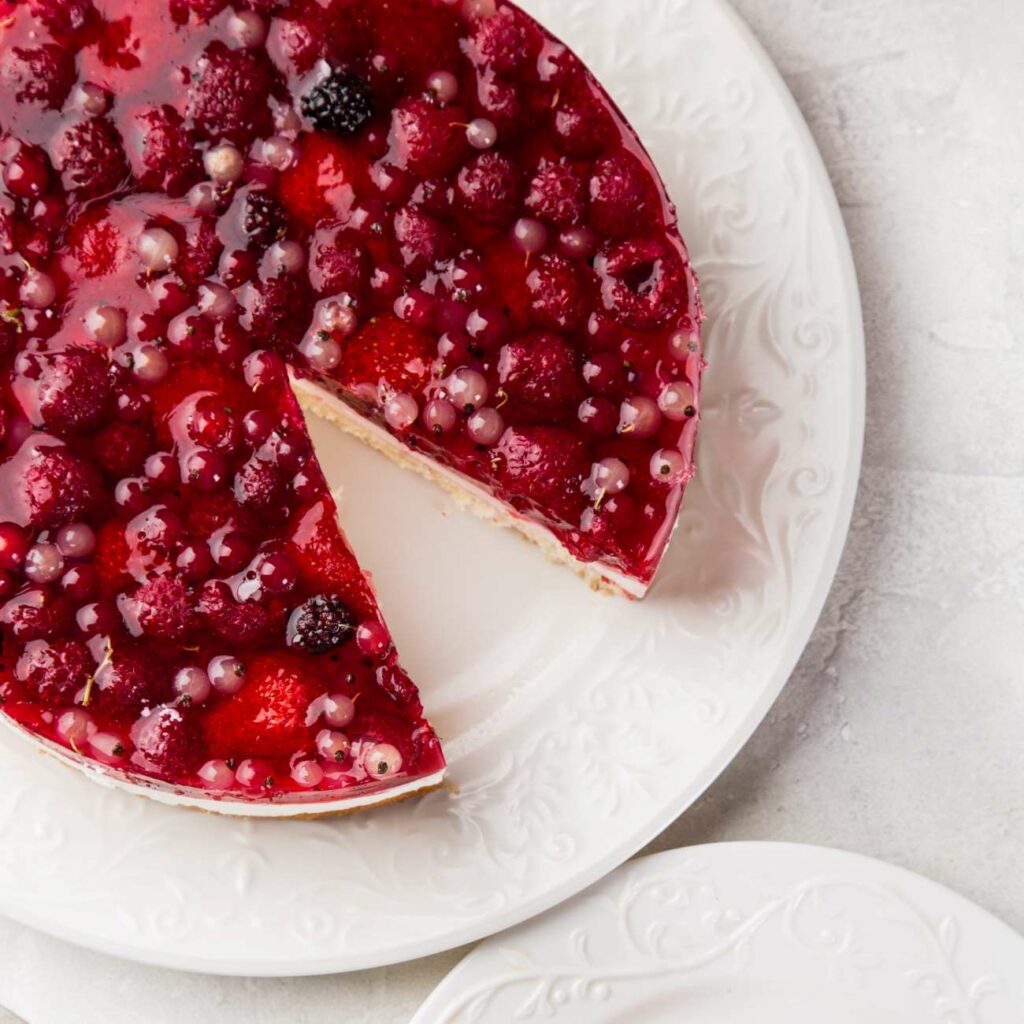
pixel 577 727
pixel 750 933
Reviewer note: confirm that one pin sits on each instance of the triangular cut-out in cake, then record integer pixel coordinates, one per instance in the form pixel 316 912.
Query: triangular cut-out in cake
pixel 424 218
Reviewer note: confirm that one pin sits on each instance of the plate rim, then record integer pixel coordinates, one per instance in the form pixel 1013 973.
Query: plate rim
pixel 826 859
pixel 796 643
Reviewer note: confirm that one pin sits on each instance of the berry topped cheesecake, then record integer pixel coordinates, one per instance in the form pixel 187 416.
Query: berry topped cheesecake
pixel 423 219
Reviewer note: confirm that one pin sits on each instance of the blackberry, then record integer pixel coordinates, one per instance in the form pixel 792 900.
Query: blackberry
pixel 263 219
pixel 321 624
pixel 342 103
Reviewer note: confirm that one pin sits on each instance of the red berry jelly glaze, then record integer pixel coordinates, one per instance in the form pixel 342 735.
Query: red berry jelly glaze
pixel 431 208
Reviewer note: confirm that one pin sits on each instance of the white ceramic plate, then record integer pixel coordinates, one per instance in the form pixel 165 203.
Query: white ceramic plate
pixel 750 933
pixel 576 726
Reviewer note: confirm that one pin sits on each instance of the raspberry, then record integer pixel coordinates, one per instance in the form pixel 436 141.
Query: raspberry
pixel 544 467
pixel 200 253
pixel 323 181
pixel 488 189
pixel 389 350
pixel 506 42
pixel 267 718
pixel 426 139
pixel 338 265
pixel 423 240
pixel 97 247
pixel 35 614
pixel 203 9
pixel 307 32
pixel 190 379
pixel 643 284
pixel 340 103
pixel 260 486
pixel 323 559
pixel 63 391
pixel 502 102
pixel 215 512
pixel 276 310
pixel 166 741
pixel 62 16
pixel 556 293
pixel 230 93
pixel 131 679
pixel 57 671
pixel 169 160
pixel 90 157
pixel 557 194
pixel 539 373
pixel 262 219
pixel 240 622
pixel 111 557
pixel 583 128
pixel 163 607
pixel 420 38
pixel 53 485
pixel 121 448
pixel 321 624
pixel 622 194
pixel 38 74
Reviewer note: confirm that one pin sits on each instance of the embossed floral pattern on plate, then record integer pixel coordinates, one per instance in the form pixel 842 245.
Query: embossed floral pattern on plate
pixel 749 932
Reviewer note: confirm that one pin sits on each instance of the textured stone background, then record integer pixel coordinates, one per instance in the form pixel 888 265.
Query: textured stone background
pixel 900 735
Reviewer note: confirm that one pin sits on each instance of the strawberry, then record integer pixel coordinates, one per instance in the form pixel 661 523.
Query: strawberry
pixel 323 181
pixel 390 350
pixel 267 718
pixel 324 560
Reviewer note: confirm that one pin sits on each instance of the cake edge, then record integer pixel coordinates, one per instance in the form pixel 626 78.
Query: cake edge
pixel 318 401
pixel 317 805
